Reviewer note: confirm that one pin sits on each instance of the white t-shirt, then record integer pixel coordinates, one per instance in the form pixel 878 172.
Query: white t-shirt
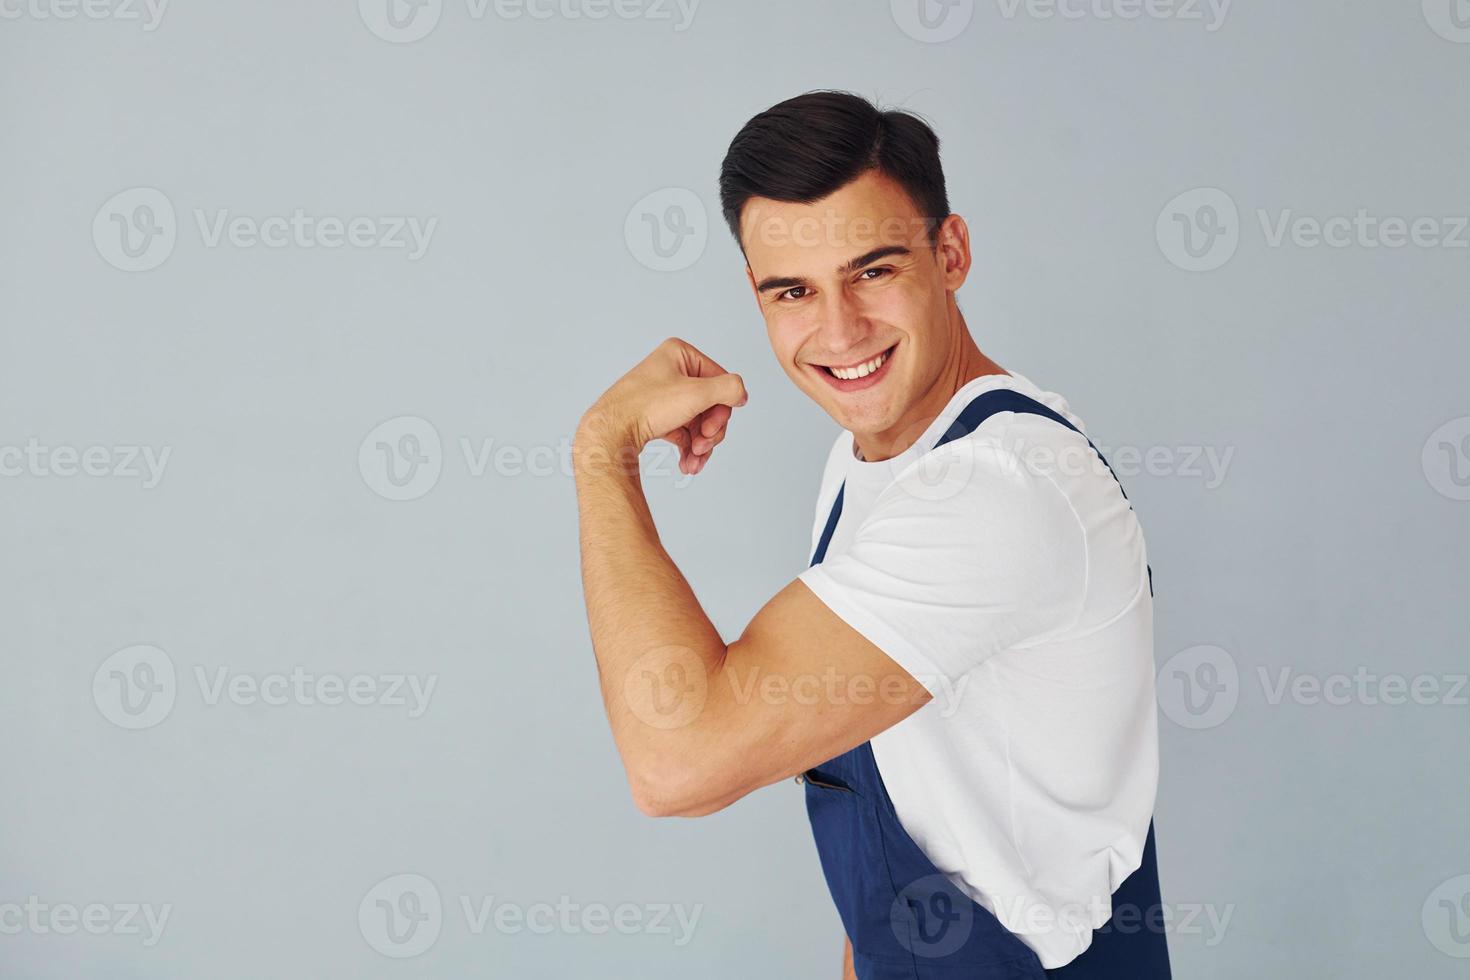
pixel 1006 572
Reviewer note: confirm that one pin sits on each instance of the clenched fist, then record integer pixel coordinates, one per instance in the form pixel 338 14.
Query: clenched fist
pixel 677 393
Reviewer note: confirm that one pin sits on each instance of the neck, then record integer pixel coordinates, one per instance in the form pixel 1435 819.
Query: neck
pixel 965 363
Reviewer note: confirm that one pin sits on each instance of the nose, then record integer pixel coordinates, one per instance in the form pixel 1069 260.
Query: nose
pixel 845 327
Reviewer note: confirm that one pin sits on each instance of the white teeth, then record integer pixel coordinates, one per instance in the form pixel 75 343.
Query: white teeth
pixel 862 370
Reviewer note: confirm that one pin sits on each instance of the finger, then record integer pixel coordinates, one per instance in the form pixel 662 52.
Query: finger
pixel 685 401
pixel 714 419
pixel 703 445
pixel 726 391
pixel 713 431
pixel 689 452
pixel 692 462
pixel 706 424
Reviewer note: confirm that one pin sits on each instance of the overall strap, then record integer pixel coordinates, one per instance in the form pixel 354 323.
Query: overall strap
pixel 980 408
pixel 831 526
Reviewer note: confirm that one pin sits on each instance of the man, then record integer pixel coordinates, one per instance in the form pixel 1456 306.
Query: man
pixel 978 740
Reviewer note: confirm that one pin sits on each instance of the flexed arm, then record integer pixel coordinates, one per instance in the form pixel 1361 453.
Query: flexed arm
pixel 693 717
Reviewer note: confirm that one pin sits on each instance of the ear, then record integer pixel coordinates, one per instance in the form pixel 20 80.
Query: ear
pixel 952 248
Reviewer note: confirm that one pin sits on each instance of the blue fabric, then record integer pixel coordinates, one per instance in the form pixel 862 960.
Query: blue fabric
pixel 905 919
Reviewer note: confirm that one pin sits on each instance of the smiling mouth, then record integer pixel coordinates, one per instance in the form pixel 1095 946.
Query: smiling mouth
pixel 853 377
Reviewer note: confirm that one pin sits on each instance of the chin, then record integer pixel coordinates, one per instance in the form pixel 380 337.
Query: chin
pixel 862 421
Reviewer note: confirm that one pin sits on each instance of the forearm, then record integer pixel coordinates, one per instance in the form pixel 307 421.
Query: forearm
pixel 649 633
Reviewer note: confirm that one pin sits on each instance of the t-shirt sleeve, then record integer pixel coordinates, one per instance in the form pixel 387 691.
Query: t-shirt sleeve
pixel 966 554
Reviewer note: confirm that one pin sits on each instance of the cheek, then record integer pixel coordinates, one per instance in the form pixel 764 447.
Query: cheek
pixel 910 306
pixel 891 308
pixel 787 333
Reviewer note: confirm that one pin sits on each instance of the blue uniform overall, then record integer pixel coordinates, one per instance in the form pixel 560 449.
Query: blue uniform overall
pixel 905 919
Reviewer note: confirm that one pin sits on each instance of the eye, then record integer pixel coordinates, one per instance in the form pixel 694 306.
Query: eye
pixel 795 292
pixel 876 272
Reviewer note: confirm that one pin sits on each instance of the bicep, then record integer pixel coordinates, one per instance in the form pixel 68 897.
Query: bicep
pixel 801 686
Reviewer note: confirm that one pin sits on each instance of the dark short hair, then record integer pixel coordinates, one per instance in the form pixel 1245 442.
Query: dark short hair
pixel 805 148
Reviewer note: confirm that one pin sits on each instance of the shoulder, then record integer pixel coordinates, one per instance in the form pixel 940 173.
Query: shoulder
pixel 1006 478
pixel 1031 439
pixel 988 482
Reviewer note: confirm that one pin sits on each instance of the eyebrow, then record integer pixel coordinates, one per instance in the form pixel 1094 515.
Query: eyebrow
pixel 852 265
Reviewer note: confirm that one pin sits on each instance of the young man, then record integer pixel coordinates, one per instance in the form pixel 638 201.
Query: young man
pixel 967 665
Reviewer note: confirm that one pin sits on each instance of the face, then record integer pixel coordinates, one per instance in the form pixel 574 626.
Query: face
pixel 858 305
